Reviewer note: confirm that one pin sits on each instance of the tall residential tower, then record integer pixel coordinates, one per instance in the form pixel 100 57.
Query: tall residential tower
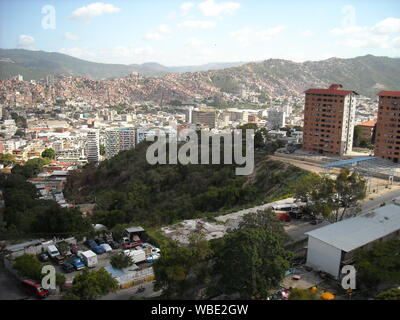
pixel 329 116
pixel 387 137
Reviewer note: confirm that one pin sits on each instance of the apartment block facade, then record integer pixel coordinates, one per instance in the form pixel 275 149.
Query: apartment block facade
pixel 387 140
pixel 93 146
pixel 329 116
pixel 118 140
pixel 203 117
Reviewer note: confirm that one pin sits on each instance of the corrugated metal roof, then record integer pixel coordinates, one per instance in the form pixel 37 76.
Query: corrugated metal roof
pixel 21 246
pixel 356 232
pixel 134 229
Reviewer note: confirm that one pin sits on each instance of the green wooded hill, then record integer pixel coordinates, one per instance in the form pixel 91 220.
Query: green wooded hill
pixel 127 189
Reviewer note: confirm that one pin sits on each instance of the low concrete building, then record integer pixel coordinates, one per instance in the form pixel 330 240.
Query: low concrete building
pixel 333 246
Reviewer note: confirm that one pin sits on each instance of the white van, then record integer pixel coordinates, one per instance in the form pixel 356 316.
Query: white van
pixel 53 251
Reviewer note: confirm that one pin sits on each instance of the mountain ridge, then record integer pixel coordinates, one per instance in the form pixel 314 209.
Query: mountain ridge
pixel 36 64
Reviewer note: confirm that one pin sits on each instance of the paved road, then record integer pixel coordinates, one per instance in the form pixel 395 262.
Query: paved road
pixel 386 198
pixel 125 294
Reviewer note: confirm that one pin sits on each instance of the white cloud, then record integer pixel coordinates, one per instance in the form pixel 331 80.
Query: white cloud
pixel 193 42
pixel 197 24
pixel 92 10
pixel 26 42
pixel 81 53
pixel 247 35
pixel 376 36
pixel 116 54
pixel 158 34
pixel 70 36
pixel 186 7
pixel 306 33
pixel 396 42
pixel 210 8
pixel 387 26
pixel 153 36
pixel 271 32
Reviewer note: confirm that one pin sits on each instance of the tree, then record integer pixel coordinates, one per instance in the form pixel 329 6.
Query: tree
pixel 251 262
pixel 303 294
pixel 102 150
pixel 90 285
pixel 121 261
pixel 332 198
pixel 20 133
pixel 31 168
pixel 28 266
pixel 263 219
pixel 182 269
pixel 57 221
pixel 391 294
pixel 49 153
pixel 379 265
pixel 7 159
pixel 20 121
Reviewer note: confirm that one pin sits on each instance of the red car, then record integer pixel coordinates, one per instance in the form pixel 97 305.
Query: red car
pixel 32 288
pixel 131 245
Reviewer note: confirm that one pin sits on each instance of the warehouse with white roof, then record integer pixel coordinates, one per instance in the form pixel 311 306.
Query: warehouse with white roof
pixel 332 246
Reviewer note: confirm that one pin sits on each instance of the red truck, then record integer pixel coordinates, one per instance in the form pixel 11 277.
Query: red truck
pixel 32 288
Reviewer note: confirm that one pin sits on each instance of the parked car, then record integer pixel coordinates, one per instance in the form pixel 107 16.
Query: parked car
pixel 59 259
pixel 94 247
pixel 53 251
pixel 90 243
pixel 68 267
pixel 106 247
pixel 316 221
pixel 113 244
pixel 100 241
pixel 77 264
pixel 32 288
pixel 127 245
pixel 156 250
pixel 98 249
pixel 43 257
pixel 74 249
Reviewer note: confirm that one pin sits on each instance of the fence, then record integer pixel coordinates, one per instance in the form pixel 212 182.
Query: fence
pixel 135 277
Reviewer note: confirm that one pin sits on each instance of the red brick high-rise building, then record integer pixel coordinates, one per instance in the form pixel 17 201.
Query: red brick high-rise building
pixel 387 138
pixel 329 116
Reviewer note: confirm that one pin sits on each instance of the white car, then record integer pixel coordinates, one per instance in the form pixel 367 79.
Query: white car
pixel 156 250
pixel 106 247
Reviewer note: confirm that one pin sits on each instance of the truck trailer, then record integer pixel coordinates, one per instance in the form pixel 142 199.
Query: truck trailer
pixel 136 255
pixel 89 258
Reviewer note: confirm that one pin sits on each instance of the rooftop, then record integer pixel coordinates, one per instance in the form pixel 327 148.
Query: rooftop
pixel 389 93
pixel 134 229
pixel 370 123
pixel 356 232
pixel 332 90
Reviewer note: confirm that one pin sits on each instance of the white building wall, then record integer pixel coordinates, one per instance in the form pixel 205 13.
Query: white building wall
pixel 323 257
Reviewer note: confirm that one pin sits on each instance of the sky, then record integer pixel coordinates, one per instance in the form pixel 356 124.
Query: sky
pixel 178 33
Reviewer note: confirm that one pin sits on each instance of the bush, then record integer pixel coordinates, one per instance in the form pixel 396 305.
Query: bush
pixel 121 261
